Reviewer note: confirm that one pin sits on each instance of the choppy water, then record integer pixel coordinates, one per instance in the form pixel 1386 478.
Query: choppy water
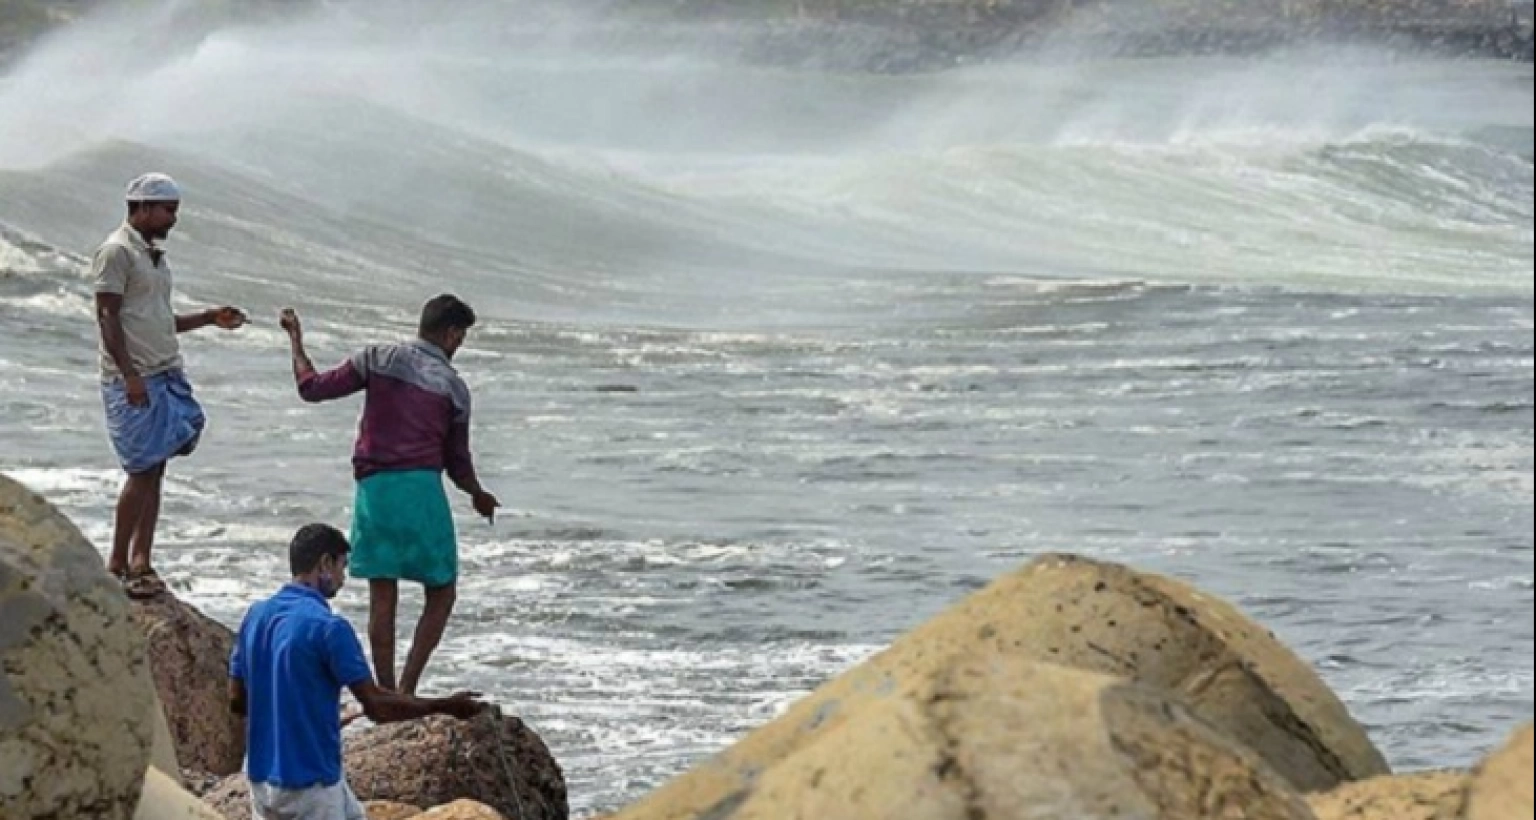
pixel 776 364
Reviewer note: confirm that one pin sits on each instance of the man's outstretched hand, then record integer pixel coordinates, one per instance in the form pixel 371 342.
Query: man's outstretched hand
pixel 289 319
pixel 486 505
pixel 229 318
pixel 464 705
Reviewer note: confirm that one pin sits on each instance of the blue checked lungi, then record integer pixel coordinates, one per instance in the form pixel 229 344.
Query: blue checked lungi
pixel 146 437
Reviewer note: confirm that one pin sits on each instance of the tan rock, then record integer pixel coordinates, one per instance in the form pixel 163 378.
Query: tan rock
pixel 1005 739
pixel 75 695
pixel 189 658
pixel 389 810
pixel 231 798
pixel 1109 618
pixel 200 783
pixel 162 749
pixel 1093 616
pixel 493 759
pixel 1418 796
pixel 462 810
pixel 163 799
pixel 1501 786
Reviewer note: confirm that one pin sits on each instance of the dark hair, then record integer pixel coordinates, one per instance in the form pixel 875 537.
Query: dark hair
pixel 443 313
pixel 313 542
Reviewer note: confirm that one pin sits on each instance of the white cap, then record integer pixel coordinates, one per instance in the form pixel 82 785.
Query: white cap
pixel 154 188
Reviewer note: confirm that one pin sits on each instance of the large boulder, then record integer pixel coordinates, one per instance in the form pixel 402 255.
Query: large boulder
pixel 189 657
pixel 1418 796
pixel 1096 617
pixel 1002 738
pixel 1108 618
pixel 75 694
pixel 164 799
pixel 493 759
pixel 1501 786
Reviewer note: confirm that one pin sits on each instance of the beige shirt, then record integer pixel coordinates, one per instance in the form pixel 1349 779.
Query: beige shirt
pixel 123 265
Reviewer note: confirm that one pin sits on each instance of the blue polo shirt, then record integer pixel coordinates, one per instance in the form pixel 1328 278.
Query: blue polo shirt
pixel 295 656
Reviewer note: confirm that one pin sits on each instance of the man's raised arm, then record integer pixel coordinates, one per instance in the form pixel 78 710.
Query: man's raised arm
pixel 315 386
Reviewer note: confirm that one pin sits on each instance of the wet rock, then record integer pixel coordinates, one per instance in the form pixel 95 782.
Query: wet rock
pixel 76 702
pixel 189 658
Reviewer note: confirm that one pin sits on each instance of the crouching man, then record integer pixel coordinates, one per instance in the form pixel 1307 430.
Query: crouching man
pixel 292 658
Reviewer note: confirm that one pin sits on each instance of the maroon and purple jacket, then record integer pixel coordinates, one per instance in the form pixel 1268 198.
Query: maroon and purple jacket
pixel 415 411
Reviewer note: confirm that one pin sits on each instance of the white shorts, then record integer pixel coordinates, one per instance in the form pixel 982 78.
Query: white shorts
pixel 336 802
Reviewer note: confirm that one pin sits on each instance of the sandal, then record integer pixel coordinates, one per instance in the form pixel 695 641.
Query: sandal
pixel 143 584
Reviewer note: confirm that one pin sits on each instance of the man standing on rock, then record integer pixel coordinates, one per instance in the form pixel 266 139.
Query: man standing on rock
pixel 415 427
pixel 151 414
pixel 292 657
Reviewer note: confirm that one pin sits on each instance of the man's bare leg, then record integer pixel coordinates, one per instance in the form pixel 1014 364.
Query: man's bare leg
pixel 149 519
pixel 429 631
pixel 133 503
pixel 383 598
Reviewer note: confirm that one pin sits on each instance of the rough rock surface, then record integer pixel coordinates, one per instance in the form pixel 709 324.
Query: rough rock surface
pixel 1002 739
pixel 200 783
pixel 230 798
pixel 493 759
pixel 1501 786
pixel 463 810
pixel 1096 617
pixel 389 810
pixel 1155 630
pixel 1418 796
pixel 75 694
pixel 189 658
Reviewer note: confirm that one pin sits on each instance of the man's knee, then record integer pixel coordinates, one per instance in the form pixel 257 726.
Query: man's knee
pixel 383 594
pixel 151 476
pixel 148 479
pixel 442 596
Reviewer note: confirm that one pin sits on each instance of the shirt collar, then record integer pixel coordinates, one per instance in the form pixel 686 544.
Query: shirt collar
pixel 299 590
pixel 135 238
pixel 432 350
pixel 139 243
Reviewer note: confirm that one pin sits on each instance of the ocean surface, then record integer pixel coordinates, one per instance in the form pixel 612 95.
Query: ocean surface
pixel 775 363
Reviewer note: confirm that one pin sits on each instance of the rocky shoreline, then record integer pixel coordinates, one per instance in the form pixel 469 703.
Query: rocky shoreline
pixel 1071 689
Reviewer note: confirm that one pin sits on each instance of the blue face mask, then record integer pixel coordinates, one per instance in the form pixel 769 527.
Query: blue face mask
pixel 327 585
